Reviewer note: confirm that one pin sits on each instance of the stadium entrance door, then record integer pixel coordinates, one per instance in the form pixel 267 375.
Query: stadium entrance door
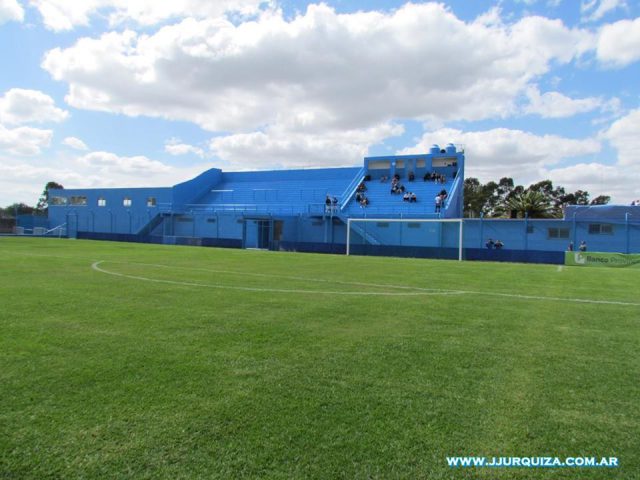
pixel 257 233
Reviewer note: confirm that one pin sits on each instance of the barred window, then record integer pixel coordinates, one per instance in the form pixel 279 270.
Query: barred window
pixel 558 233
pixel 600 229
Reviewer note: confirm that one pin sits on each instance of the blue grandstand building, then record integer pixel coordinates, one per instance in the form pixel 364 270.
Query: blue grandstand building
pixel 321 210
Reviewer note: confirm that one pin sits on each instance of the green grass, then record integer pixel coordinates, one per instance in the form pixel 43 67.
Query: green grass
pixel 105 376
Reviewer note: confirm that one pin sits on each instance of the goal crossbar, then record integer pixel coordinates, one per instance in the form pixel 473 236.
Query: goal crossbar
pixel 407 220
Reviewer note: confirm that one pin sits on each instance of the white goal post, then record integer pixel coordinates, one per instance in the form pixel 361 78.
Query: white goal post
pixel 459 221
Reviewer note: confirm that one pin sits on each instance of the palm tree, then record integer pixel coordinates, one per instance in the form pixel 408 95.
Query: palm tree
pixel 530 203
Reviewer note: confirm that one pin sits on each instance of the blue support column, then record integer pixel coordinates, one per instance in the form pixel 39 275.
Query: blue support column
pixel 626 231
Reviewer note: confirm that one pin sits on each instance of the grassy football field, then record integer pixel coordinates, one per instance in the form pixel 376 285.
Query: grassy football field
pixel 146 361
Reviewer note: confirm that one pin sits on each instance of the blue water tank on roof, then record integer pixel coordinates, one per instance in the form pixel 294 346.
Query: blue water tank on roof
pixel 434 149
pixel 451 148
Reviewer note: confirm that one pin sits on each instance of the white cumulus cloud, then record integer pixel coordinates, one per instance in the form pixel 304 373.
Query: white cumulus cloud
pixel 283 147
pixel 502 152
pixel 619 43
pixel 10 10
pixel 557 105
pixel 22 179
pixel 624 136
pixel 176 147
pixel 24 140
pixel 61 15
pixel 20 106
pixel 337 71
pixel 594 10
pixel 75 143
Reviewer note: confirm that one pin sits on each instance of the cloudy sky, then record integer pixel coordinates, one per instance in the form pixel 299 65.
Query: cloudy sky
pixel 147 93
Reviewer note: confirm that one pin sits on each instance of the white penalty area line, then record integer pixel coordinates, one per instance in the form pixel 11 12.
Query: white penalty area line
pixel 414 291
pixel 96 266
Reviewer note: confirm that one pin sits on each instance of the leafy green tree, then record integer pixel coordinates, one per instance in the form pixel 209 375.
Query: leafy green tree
pixel 474 197
pixel 601 200
pixel 530 203
pixel 43 202
pixel 16 209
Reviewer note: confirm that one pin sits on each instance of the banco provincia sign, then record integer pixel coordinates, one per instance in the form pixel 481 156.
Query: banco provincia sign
pixel 601 259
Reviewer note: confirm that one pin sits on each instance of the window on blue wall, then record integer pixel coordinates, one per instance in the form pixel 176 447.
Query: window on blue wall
pixel 151 202
pixel 600 229
pixel 558 233
pixel 78 200
pixel 102 202
pixel 126 202
pixel 58 201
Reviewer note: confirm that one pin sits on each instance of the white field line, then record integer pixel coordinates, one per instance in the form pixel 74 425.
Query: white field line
pixel 289 277
pixel 415 291
pixel 96 266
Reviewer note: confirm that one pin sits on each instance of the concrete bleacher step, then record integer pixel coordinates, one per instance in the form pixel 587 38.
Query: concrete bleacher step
pixel 381 199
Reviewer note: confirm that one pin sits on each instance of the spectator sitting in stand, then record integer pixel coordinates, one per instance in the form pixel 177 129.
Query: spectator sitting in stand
pixel 490 244
pixel 396 176
pixel 427 176
pixel 498 245
pixel 583 246
pixel 327 202
pixel 364 202
pixel 413 198
pixel 359 197
pixel 406 197
pixel 412 177
pixel 438 203
pixel 443 194
pixel 362 187
pixel 383 179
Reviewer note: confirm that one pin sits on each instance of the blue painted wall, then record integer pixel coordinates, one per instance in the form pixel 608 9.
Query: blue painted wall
pixel 222 207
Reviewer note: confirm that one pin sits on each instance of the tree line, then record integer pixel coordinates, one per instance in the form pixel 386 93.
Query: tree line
pixel 504 199
pixel 41 208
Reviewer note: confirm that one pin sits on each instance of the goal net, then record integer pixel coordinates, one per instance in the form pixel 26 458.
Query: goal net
pixel 428 238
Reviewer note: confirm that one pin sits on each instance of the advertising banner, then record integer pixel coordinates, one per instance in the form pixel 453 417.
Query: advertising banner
pixel 601 259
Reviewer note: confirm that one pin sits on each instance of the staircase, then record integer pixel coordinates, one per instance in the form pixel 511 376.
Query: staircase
pixel 151 225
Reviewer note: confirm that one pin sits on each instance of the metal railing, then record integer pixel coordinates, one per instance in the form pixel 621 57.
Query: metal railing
pixel 351 189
